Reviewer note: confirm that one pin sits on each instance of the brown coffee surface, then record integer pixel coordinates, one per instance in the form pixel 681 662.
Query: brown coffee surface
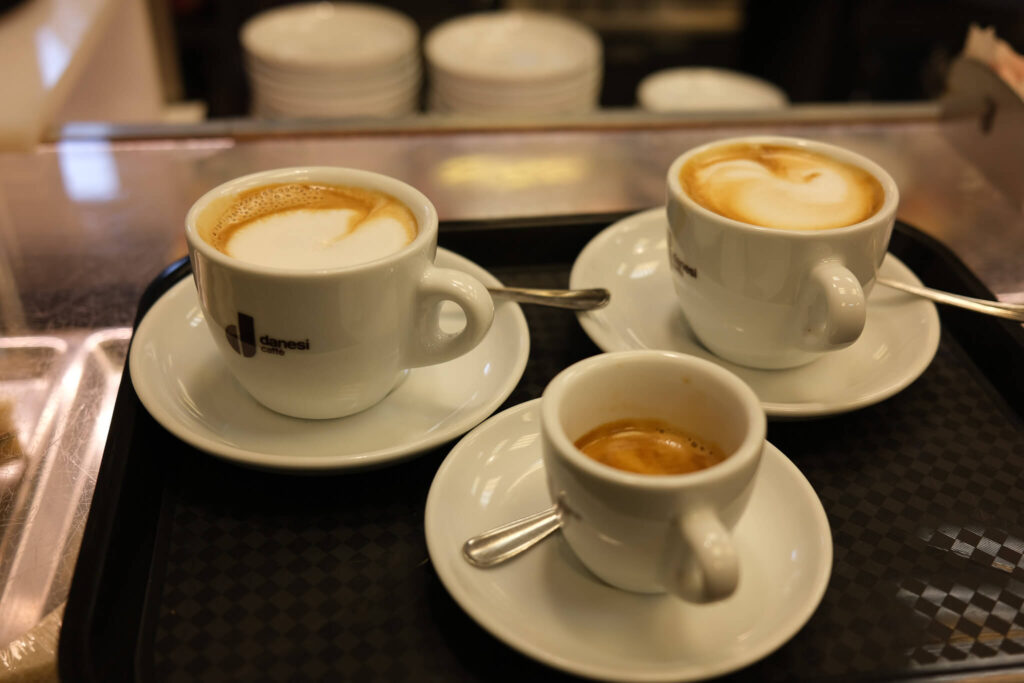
pixel 222 219
pixel 780 186
pixel 648 446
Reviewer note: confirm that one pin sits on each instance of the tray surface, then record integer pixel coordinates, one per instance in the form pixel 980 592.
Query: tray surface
pixel 195 569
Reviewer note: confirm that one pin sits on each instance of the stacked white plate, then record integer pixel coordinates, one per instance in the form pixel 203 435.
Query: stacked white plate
pixel 707 89
pixel 513 62
pixel 326 60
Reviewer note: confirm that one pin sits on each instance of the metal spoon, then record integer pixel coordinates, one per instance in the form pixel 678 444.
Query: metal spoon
pixel 575 299
pixel 505 542
pixel 999 309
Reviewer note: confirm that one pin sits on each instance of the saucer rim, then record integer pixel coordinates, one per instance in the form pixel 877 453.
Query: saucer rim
pixel 589 321
pixel 283 462
pixel 787 630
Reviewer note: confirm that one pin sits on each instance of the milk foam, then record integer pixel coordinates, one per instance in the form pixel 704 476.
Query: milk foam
pixel 317 239
pixel 781 187
pixel 297 225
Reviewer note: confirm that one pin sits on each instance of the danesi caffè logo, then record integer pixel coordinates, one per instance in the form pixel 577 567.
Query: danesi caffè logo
pixel 242 338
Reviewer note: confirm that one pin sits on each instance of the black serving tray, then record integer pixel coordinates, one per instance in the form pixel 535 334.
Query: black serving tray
pixel 192 568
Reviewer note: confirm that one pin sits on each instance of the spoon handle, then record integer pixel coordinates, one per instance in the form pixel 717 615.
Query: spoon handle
pixel 505 542
pixel 575 299
pixel 996 308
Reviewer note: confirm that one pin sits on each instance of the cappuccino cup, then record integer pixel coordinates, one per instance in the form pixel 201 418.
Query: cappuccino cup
pixel 774 245
pixel 319 287
pixel 653 529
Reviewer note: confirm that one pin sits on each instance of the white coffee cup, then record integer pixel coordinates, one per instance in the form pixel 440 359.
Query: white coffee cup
pixel 653 533
pixel 768 297
pixel 342 337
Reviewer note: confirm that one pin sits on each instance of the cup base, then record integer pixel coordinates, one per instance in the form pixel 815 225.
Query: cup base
pixel 325 409
pixel 761 361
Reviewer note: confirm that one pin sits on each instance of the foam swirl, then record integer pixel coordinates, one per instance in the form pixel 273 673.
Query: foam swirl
pixel 784 187
pixel 300 225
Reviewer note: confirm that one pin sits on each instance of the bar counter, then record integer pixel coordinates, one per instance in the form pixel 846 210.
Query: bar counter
pixel 89 219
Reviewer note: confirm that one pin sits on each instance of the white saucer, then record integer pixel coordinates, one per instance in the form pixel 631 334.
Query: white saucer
pixel 899 340
pixel 180 380
pixel 548 606
pixel 707 89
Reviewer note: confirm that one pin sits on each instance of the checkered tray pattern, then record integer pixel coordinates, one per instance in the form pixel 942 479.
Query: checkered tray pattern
pixel 924 494
pixel 264 577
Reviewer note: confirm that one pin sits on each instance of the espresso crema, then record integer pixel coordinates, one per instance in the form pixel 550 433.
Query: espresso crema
pixel 308 225
pixel 647 446
pixel 777 186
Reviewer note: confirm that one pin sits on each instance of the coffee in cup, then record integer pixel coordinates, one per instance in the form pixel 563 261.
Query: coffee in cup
pixel 774 244
pixel 781 186
pixel 308 225
pixel 663 531
pixel 320 290
pixel 648 446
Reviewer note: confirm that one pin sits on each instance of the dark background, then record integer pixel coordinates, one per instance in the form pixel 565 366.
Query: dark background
pixel 816 50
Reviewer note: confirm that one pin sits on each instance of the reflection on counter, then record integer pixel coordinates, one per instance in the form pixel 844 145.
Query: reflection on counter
pixel 89 171
pixel 496 172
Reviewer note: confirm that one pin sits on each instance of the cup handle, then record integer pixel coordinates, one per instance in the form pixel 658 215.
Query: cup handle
pixel 428 343
pixel 834 308
pixel 707 568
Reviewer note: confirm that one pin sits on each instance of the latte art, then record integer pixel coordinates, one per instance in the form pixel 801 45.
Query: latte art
pixel 776 186
pixel 306 225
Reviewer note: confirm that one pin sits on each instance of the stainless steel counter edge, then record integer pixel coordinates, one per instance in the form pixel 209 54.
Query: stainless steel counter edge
pixel 605 119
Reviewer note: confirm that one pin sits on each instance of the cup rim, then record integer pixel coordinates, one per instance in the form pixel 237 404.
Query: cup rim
pixel 421 207
pixel 749 449
pixel 886 212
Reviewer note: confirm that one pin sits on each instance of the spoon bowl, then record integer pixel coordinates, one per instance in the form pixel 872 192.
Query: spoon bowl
pixel 493 547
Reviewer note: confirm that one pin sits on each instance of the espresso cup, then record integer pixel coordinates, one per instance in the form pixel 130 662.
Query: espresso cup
pixel 319 287
pixel 774 245
pixel 653 533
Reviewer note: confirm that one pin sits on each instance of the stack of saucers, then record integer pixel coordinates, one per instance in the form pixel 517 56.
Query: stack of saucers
pixel 513 62
pixel 326 60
